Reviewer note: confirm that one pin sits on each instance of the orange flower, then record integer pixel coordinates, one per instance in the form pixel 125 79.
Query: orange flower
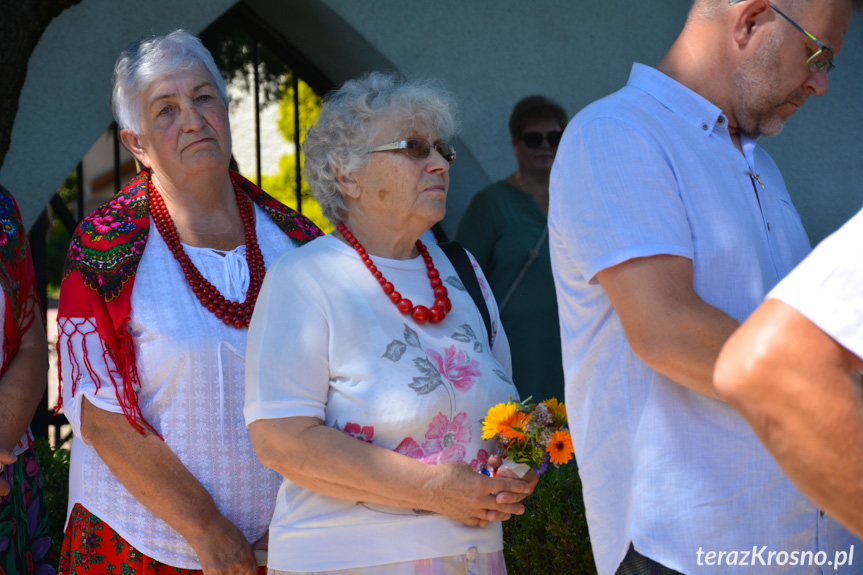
pixel 499 418
pixel 560 448
pixel 558 410
pixel 515 427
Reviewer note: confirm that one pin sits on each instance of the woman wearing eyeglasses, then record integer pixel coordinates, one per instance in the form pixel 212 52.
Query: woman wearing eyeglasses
pixel 505 227
pixel 369 368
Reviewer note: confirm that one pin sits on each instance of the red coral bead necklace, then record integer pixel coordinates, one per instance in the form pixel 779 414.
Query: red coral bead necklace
pixel 237 314
pixel 420 313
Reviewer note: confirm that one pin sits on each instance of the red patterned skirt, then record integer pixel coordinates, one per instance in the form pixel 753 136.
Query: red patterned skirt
pixel 92 547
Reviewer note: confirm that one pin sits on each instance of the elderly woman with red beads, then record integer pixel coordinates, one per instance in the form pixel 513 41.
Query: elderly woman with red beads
pixel 369 367
pixel 157 295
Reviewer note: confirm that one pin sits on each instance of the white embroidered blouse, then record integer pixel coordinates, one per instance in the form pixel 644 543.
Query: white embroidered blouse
pixel 191 368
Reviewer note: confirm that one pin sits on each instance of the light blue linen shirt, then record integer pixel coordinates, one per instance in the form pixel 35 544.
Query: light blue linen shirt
pixel 646 171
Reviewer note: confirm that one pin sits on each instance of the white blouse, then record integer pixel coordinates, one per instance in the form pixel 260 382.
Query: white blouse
pixel 326 342
pixel 191 368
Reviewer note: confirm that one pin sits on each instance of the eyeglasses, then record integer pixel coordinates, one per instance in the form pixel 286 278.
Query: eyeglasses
pixel 418 149
pixel 822 60
pixel 534 139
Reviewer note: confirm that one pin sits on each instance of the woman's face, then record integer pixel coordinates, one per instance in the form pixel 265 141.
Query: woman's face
pixel 536 159
pixel 400 188
pixel 184 127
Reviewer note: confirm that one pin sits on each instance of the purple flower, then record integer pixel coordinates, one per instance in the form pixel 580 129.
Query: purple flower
pixel 544 465
pixel 41 547
pixel 32 517
pixel 32 467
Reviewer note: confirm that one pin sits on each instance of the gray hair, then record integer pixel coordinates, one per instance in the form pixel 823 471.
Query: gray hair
pixel 707 9
pixel 350 119
pixel 145 60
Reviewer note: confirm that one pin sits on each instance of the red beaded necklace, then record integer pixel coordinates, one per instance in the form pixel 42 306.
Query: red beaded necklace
pixel 231 312
pixel 420 313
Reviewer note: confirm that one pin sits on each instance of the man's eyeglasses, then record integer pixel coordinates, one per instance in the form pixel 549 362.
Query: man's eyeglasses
pixel 418 148
pixel 822 60
pixel 534 139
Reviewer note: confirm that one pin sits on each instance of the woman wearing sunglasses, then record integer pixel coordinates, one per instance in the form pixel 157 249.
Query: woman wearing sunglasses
pixel 505 227
pixel 369 368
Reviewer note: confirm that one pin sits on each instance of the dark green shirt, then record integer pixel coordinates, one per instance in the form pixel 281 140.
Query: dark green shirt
pixel 500 227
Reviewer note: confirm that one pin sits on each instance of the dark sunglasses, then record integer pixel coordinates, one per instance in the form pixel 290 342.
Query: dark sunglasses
pixel 534 139
pixel 418 148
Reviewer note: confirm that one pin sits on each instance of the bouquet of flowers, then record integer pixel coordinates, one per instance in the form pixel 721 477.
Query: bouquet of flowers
pixel 529 435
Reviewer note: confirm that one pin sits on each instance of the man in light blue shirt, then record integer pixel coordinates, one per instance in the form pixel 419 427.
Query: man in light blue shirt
pixel 668 225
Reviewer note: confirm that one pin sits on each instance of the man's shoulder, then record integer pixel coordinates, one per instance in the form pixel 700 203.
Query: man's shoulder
pixel 628 106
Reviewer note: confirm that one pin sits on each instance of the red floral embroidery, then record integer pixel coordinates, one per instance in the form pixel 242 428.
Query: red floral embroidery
pixel 364 434
pixel 410 447
pixel 446 439
pixel 481 459
pixel 457 367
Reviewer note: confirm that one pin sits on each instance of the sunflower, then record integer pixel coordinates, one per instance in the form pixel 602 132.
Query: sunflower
pixel 558 410
pixel 499 417
pixel 560 448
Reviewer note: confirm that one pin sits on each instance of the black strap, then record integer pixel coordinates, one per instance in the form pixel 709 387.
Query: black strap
pixel 458 257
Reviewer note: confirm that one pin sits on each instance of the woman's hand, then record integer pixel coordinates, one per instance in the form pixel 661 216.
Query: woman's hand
pixel 508 497
pixel 459 492
pixel 327 461
pixel 223 550
pixel 6 458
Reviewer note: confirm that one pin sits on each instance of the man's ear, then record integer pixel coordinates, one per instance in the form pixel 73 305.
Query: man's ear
pixel 347 183
pixel 750 16
pixel 135 145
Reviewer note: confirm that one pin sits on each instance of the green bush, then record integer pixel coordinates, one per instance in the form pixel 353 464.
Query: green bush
pixel 55 481
pixel 551 537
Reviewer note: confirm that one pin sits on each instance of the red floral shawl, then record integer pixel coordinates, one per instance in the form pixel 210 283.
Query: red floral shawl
pixel 16 278
pixel 99 276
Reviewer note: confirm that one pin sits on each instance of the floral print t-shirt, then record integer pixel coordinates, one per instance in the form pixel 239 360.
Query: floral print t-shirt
pixel 326 342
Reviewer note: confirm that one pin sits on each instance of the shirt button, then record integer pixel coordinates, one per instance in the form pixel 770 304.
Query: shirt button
pixel 720 120
pixel 704 126
pixel 471 554
pixel 822 513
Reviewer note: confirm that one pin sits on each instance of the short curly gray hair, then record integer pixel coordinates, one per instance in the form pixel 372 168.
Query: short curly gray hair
pixel 340 140
pixel 145 60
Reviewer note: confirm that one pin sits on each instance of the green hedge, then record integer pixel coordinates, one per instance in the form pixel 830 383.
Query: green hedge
pixel 551 536
pixel 55 480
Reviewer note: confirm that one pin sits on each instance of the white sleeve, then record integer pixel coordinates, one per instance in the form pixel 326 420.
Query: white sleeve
pixel 86 370
pixel 287 359
pixel 825 287
pixel 615 199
